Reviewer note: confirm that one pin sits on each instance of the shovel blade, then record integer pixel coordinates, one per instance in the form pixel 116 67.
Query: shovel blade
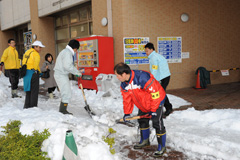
pixel 90 112
pixel 127 123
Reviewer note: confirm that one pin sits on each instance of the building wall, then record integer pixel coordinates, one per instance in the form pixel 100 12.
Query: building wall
pixel 14 13
pixel 210 35
pixel 4 37
pixel 46 7
pixel 44 29
pixel 99 10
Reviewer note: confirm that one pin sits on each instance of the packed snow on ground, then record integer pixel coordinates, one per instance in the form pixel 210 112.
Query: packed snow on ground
pixel 210 134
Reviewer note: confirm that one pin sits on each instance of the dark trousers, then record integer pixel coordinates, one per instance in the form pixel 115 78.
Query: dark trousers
pixel 31 99
pixel 164 83
pixel 157 121
pixel 50 90
pixel 13 78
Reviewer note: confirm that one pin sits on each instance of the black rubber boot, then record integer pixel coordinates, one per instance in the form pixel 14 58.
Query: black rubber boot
pixel 63 108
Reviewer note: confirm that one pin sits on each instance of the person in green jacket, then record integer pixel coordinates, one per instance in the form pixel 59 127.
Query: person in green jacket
pixel 12 64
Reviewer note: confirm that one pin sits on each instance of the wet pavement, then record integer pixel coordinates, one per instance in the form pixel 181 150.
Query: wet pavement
pixel 220 96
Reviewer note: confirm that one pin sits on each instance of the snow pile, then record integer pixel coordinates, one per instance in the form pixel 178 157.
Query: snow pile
pixel 210 134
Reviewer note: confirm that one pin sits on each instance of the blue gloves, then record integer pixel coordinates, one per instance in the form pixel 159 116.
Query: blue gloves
pixel 153 114
pixel 125 117
pixel 2 63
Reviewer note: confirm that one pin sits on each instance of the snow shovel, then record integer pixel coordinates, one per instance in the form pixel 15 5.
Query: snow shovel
pixel 131 124
pixel 87 108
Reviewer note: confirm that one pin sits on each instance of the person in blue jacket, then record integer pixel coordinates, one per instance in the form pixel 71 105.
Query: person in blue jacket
pixel 159 68
pixel 65 65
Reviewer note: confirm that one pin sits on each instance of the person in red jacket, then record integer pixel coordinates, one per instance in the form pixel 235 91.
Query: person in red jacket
pixel 140 88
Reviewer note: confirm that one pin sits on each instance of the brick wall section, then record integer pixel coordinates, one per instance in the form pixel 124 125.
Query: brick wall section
pixel 44 29
pixel 4 37
pixel 99 10
pixel 210 35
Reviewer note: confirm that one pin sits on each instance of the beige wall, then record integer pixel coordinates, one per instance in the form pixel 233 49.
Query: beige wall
pixel 44 29
pixel 14 13
pixel 46 7
pixel 4 37
pixel 99 10
pixel 210 35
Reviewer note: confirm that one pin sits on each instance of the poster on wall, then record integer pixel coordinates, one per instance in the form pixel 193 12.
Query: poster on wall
pixel 27 37
pixel 170 48
pixel 134 52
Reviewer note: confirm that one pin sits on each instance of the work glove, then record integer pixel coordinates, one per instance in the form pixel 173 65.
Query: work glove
pixel 2 63
pixel 79 75
pixel 125 117
pixel 153 114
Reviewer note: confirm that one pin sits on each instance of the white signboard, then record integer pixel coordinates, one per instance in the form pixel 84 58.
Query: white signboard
pixel 225 72
pixel 134 51
pixel 185 55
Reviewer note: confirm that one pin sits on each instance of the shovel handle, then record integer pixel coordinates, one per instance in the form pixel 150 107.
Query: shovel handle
pixel 136 117
pixel 83 92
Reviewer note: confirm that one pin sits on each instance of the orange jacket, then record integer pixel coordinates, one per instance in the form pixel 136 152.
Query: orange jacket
pixel 143 90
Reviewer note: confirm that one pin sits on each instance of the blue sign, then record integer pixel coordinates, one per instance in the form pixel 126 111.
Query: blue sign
pixel 170 48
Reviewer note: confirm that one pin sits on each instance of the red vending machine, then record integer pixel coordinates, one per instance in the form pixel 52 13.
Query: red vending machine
pixel 95 56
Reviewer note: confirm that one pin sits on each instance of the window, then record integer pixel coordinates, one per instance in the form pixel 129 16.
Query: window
pixel 62 34
pixel 91 28
pixel 90 13
pixel 19 39
pixel 83 14
pixel 74 17
pixel 65 20
pixel 73 23
pixel 79 31
pixel 61 46
pixel 58 22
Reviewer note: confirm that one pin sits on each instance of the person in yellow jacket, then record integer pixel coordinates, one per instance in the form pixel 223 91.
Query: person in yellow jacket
pixel 31 80
pixel 12 64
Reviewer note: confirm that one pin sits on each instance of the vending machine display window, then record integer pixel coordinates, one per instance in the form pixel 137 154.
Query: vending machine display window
pixel 88 55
